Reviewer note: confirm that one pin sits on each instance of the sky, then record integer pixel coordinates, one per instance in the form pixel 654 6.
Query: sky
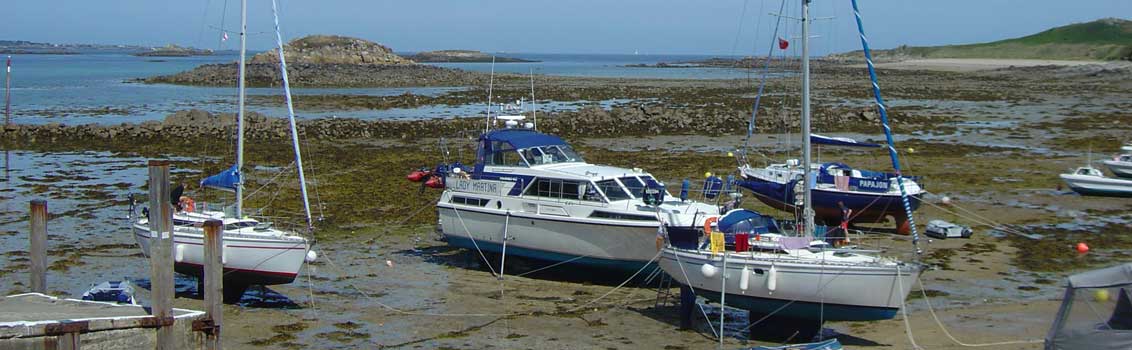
pixel 710 27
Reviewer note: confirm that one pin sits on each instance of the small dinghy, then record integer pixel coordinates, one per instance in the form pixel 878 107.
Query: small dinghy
pixel 944 230
pixel 831 344
pixel 121 292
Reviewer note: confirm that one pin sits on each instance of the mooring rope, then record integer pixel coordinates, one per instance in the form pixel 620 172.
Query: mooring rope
pixel 931 311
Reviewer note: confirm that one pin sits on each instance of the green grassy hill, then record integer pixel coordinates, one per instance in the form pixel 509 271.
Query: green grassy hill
pixel 1103 39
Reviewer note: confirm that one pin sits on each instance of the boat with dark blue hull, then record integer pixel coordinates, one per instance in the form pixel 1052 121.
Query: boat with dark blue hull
pixel 871 196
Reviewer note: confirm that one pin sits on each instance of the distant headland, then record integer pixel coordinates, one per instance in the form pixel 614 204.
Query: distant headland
pixel 462 56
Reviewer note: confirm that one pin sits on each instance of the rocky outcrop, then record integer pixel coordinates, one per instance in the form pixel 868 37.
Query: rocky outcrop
pixel 462 56
pixel 327 61
pixel 332 49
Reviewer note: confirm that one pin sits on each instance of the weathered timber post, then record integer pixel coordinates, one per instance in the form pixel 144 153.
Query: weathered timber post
pixel 213 281
pixel 38 250
pixel 161 250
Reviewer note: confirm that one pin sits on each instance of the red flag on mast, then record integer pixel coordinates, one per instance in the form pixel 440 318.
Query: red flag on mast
pixel 783 44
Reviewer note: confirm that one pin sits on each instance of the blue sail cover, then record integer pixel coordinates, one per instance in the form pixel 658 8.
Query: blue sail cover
pixel 839 141
pixel 746 220
pixel 226 180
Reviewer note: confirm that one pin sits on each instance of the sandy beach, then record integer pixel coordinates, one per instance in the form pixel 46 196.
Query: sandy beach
pixel 977 64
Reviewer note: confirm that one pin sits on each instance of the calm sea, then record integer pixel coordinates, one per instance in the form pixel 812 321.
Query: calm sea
pixel 95 87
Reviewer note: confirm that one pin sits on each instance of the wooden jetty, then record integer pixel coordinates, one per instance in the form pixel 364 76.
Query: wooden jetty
pixel 39 321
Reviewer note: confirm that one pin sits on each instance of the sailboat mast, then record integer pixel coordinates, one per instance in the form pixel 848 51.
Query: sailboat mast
pixel 291 117
pixel 807 204
pixel 240 113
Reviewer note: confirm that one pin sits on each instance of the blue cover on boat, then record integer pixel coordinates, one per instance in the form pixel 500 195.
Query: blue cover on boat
pixel 746 220
pixel 522 138
pixel 839 141
pixel 831 344
pixel 226 180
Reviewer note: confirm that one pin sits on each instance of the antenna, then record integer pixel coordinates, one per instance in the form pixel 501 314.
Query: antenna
pixel 490 83
pixel 534 102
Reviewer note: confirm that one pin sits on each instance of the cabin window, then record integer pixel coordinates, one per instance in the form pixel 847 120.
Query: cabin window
pixel 612 190
pixel 479 202
pixel 562 189
pixel 621 216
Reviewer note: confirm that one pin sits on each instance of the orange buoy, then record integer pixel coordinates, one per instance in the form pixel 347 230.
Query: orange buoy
pixel 1082 248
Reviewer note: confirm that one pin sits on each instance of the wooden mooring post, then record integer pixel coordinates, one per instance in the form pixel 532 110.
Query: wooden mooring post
pixel 213 283
pixel 161 250
pixel 38 250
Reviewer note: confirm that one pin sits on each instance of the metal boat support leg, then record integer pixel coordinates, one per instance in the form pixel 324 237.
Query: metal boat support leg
pixel 687 304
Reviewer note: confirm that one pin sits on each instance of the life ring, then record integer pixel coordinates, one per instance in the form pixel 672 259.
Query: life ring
pixel 707 224
pixel 187 204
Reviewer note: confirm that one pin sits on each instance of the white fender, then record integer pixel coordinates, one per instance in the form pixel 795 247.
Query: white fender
pixel 745 278
pixel 179 253
pixel 708 270
pixel 772 279
pixel 224 255
pixel 311 256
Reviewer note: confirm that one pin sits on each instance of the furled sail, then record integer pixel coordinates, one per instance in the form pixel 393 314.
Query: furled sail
pixel 839 141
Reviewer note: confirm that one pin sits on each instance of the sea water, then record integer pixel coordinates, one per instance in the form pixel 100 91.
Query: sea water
pixel 102 87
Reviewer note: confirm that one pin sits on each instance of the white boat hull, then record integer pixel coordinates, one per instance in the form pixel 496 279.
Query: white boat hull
pixel 1098 186
pixel 536 236
pixel 1119 168
pixel 247 260
pixel 802 289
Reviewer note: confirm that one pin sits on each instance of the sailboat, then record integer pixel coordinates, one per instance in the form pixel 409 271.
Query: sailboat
pixel 771 271
pixel 255 252
pixel 871 196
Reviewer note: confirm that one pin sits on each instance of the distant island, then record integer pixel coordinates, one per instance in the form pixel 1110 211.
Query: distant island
pixel 1106 39
pixel 23 47
pixel 173 50
pixel 327 61
pixel 444 56
pixel 714 62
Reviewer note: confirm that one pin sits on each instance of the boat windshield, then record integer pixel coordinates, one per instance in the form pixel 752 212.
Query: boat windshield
pixel 612 190
pixel 635 185
pixel 550 154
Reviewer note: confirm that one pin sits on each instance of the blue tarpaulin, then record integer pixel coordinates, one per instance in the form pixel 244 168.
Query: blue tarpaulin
pixel 226 180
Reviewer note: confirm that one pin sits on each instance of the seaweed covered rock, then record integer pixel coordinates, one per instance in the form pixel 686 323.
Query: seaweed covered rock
pixel 333 49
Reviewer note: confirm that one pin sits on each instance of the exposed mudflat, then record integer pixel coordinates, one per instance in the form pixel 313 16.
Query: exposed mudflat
pixel 992 141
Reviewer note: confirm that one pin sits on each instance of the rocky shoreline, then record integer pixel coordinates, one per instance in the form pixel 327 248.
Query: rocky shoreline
pixel 324 75
pixel 190 125
pixel 462 56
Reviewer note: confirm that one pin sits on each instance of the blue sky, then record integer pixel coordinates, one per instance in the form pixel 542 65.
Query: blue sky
pixel 566 26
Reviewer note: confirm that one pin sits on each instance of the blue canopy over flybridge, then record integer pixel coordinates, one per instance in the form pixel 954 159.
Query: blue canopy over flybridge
pixel 522 138
pixel 839 141
pixel 226 180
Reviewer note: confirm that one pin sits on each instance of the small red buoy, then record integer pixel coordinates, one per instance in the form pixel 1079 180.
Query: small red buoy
pixel 435 182
pixel 1082 248
pixel 418 175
